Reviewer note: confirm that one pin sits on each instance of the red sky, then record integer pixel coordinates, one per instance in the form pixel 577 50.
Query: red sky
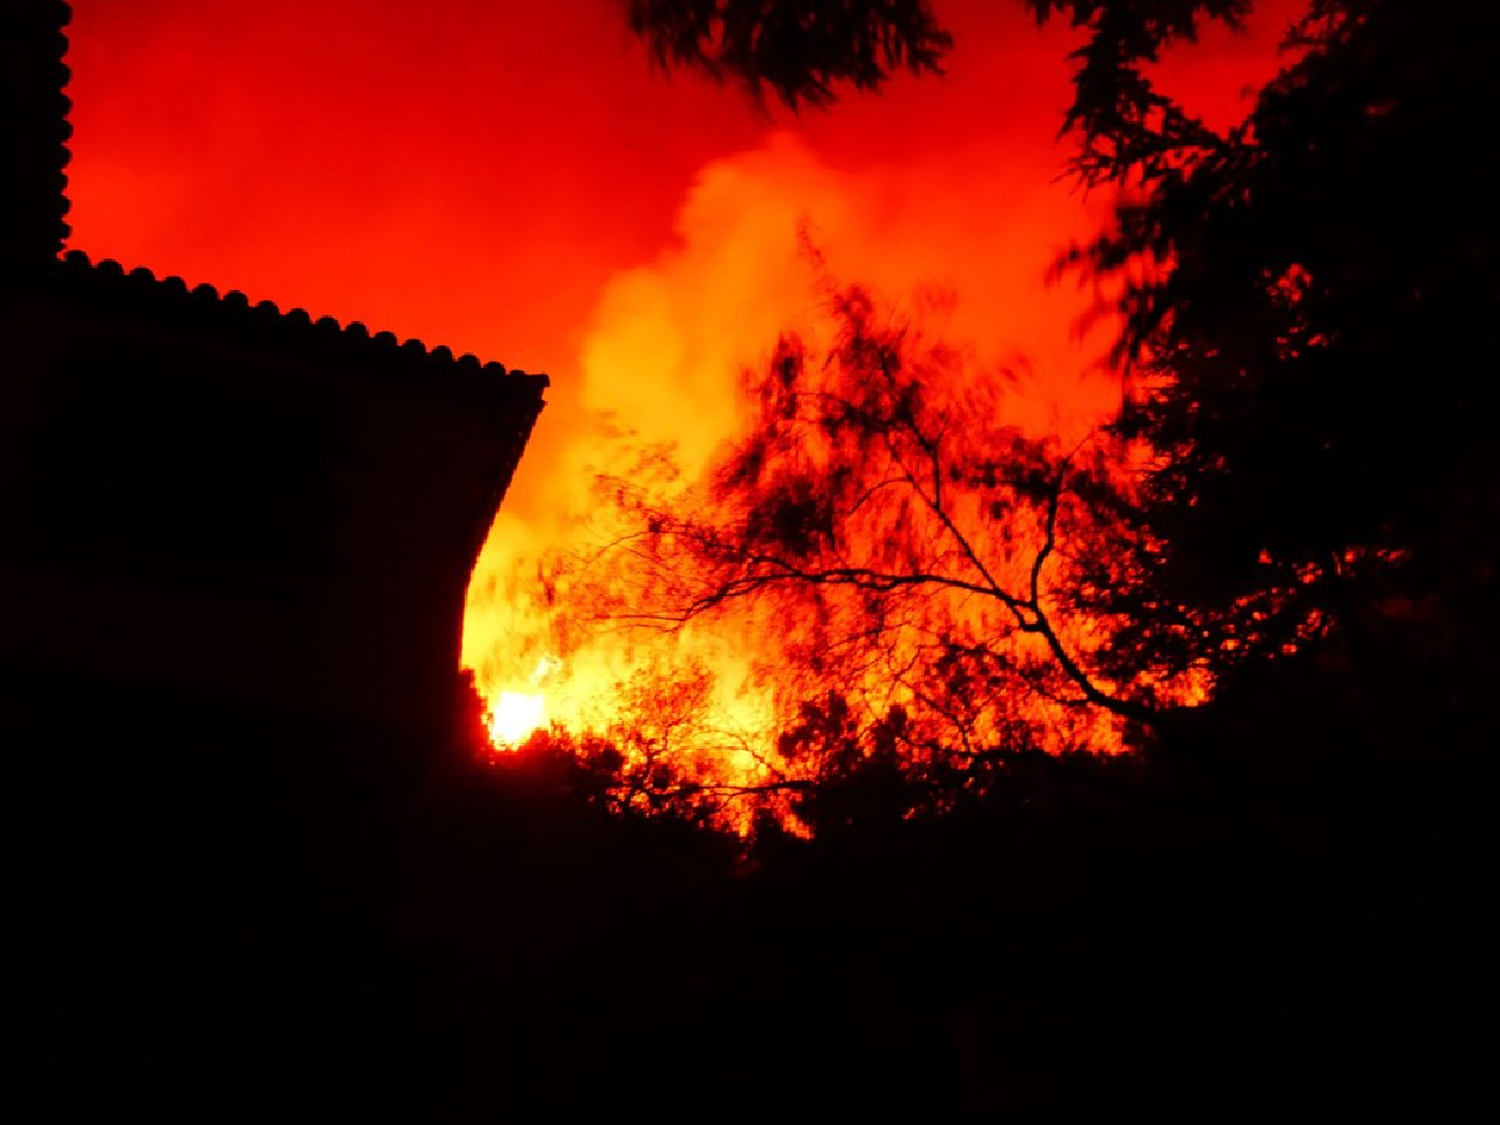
pixel 468 171
pixel 515 180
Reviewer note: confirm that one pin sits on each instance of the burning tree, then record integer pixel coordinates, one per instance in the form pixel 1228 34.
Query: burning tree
pixel 911 576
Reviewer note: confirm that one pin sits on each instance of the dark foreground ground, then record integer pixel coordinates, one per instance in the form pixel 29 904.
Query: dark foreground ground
pixel 223 918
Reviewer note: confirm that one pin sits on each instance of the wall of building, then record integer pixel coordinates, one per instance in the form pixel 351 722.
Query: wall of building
pixel 207 498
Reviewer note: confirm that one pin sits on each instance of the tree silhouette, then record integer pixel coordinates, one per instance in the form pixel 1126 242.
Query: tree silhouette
pixel 1311 338
pixel 912 571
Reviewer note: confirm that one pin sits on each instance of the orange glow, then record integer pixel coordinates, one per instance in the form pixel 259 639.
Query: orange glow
pixel 514 180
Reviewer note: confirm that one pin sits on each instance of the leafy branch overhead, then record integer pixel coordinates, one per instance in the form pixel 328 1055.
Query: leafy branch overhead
pixel 803 52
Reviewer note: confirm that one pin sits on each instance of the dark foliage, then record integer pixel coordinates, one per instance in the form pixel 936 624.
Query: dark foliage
pixel 1312 345
pixel 1122 125
pixel 803 52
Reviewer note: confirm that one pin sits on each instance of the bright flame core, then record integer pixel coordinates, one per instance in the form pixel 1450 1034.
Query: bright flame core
pixel 516 715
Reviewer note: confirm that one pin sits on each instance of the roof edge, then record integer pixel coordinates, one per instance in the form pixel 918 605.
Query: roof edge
pixel 142 284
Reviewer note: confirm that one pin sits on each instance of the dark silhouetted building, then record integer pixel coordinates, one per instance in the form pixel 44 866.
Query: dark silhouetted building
pixel 234 549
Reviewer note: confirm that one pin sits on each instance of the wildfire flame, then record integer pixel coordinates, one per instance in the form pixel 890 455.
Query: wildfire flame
pixel 660 371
